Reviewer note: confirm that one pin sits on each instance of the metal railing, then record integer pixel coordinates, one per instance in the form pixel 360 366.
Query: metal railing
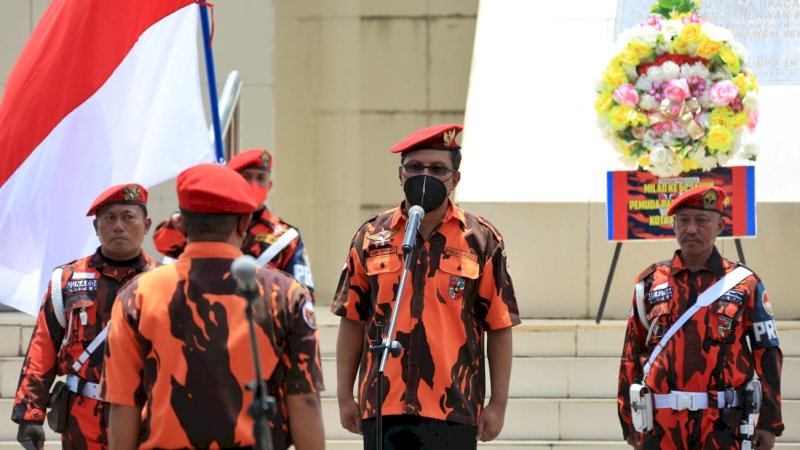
pixel 230 115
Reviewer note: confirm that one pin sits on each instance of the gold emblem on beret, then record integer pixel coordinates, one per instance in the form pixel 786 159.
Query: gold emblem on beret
pixel 265 159
pixel 710 198
pixel 448 137
pixel 132 193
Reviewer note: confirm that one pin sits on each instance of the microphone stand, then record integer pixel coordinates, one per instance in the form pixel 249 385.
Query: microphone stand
pixel 388 344
pixel 263 405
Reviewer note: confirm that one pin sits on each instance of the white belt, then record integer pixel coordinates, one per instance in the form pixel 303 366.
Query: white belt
pixel 679 400
pixel 91 390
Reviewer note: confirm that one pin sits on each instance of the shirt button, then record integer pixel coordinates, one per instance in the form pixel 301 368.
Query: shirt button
pixel 458 268
pixel 383 265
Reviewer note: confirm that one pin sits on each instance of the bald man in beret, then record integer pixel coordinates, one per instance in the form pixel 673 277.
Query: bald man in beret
pixel 714 380
pixel 271 240
pixel 68 338
pixel 179 356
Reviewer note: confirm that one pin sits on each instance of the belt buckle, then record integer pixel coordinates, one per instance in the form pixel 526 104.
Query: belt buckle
pixel 684 400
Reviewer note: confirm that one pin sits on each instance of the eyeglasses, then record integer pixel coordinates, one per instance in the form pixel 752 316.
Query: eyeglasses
pixel 438 171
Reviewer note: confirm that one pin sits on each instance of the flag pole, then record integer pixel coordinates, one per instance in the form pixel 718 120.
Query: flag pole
pixel 212 83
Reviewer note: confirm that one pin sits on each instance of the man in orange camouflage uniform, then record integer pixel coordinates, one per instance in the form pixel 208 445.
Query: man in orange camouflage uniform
pixel 178 355
pixel 458 289
pixel 87 290
pixel 271 240
pixel 710 353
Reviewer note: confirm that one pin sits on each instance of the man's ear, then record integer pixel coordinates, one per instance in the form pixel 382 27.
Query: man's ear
pixel 244 222
pixel 94 223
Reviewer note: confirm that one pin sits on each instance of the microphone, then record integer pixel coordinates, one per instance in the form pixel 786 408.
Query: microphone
pixel 243 270
pixel 415 215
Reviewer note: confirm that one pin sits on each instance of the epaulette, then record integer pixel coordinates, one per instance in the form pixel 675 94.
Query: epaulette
pixel 485 222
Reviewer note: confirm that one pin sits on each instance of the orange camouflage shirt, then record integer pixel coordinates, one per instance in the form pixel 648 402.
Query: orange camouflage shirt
pixel 89 286
pixel 263 231
pixel 709 353
pixel 458 288
pixel 179 348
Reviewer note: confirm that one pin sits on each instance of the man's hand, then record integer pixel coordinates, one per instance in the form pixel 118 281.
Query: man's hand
pixel 765 440
pixel 31 435
pixel 490 423
pixel 349 415
pixel 635 440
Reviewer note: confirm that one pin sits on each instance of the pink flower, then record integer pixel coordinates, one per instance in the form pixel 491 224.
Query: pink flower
pixel 694 19
pixel 723 92
pixel 626 95
pixel 677 90
pixel 752 120
pixel 655 22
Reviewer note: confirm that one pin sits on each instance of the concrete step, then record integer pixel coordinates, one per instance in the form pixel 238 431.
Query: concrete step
pixel 560 419
pixel 526 420
pixel 571 377
pixel 539 337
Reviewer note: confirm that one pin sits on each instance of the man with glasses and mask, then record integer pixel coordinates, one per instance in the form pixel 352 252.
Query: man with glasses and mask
pixel 269 239
pixel 458 290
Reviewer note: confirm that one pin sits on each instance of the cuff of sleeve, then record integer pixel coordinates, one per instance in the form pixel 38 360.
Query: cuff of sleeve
pixel 33 415
pixel 777 430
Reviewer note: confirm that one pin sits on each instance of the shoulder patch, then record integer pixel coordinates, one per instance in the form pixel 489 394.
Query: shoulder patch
pixel 308 315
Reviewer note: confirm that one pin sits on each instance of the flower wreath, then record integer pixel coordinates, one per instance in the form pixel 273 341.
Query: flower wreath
pixel 679 95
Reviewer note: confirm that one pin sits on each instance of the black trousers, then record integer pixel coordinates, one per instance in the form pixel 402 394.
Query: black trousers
pixel 408 432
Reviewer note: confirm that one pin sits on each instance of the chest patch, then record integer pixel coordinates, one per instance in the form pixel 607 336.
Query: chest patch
pixel 382 251
pixel 456 290
pixel 382 237
pixel 81 286
pixel 450 251
pixel 660 294
pixel 733 297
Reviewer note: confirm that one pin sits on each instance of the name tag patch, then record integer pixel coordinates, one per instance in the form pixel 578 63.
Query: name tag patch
pixel 659 295
pixel 733 297
pixel 74 286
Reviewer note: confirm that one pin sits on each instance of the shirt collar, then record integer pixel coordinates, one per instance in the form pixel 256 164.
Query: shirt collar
pixel 210 249
pixel 98 263
pixel 713 264
pixel 452 212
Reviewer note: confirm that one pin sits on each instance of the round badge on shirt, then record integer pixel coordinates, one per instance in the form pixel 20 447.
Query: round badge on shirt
pixel 308 315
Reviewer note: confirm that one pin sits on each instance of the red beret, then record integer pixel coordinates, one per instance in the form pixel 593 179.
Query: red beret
pixel 214 189
pixel 259 158
pixel 126 194
pixel 706 198
pixel 438 137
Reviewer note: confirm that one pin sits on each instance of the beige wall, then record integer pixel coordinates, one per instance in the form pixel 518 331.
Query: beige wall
pixel 331 86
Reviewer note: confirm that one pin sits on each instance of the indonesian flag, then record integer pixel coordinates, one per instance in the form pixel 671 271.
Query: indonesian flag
pixel 105 92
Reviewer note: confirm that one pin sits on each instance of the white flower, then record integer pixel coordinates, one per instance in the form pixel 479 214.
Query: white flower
pixel 671 70
pixel 717 33
pixel 737 141
pixel 739 49
pixel 750 100
pixel 723 158
pixel 648 102
pixel 703 119
pixel 629 161
pixel 663 162
pixel 708 163
pixel 671 28
pixel 751 151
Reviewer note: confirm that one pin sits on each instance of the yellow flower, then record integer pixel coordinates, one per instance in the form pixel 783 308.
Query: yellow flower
pixel 614 75
pixel 620 115
pixel 722 116
pixel 642 50
pixel 639 120
pixel 604 102
pixel 730 58
pixel 739 119
pixel 708 48
pixel 692 34
pixel 719 139
pixel 752 77
pixel 680 46
pixel 644 161
pixel 689 164
pixel 629 57
pixel 742 83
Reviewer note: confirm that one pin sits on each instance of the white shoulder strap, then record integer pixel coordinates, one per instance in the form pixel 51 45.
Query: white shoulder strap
pixel 708 296
pixel 285 239
pixel 91 348
pixel 639 289
pixel 57 296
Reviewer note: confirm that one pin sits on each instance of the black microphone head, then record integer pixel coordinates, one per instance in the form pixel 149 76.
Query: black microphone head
pixel 244 268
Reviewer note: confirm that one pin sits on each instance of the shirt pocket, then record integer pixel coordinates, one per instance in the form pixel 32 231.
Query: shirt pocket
pixel 660 319
pixel 723 319
pixel 82 320
pixel 385 271
pixel 457 279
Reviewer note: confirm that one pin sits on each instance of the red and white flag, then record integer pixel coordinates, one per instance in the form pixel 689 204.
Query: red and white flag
pixel 105 92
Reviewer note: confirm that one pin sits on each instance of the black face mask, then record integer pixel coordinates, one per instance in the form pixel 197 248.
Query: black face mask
pixel 425 191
